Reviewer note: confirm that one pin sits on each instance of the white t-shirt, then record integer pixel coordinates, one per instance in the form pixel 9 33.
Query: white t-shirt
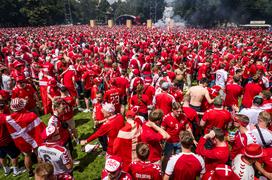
pixel 267 135
pixel 221 77
pixel 56 155
pixel 243 170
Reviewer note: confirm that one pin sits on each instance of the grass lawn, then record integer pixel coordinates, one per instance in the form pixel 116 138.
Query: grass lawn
pixel 90 164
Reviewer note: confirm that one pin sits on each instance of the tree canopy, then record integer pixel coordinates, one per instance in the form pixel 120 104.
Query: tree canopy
pixel 193 12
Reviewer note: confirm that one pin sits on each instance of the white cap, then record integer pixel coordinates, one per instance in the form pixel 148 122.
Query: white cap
pixel 108 107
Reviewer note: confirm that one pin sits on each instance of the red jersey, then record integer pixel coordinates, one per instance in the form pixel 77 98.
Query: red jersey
pixel 164 102
pixel 26 93
pixel 141 170
pixel 185 166
pixel 68 79
pixel 113 96
pixel 214 156
pixel 233 92
pixel 69 108
pixel 202 72
pixel 173 126
pixel 153 139
pixel 251 90
pixel 216 118
pixel 150 92
pixel 126 141
pixel 141 102
pixel 111 129
pixel 98 114
pixel 5 138
pixel 123 84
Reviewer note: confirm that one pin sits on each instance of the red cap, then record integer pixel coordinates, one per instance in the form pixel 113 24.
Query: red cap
pixel 254 151
pixel 136 72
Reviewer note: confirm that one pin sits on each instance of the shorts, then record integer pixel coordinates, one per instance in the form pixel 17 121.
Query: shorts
pixel 197 108
pixel 171 148
pixel 87 93
pixel 123 100
pixel 11 150
pixel 71 123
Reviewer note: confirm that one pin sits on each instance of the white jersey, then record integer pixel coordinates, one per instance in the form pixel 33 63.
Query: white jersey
pixel 221 77
pixel 267 135
pixel 56 155
pixel 243 170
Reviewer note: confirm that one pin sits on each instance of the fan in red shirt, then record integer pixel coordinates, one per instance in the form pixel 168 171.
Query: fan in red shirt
pixel 113 95
pixel 113 123
pixel 221 172
pixel 252 89
pixel 233 92
pixel 140 100
pixel 242 137
pixel 25 91
pixel 7 146
pixel 213 148
pixel 144 169
pixel 87 81
pixel 185 165
pixel 25 128
pixel 127 139
pixel 216 117
pixel 153 135
pixel 164 100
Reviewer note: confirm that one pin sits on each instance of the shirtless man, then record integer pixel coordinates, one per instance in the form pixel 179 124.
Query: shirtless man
pixel 197 93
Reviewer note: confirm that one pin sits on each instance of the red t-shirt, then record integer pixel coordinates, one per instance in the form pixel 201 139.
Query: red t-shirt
pixel 173 126
pixel 164 102
pixel 69 108
pixel 26 93
pixel 233 92
pixel 216 118
pixel 111 129
pixel 185 166
pixel 251 90
pixel 141 102
pixel 113 96
pixel 214 156
pixel 153 139
pixel 67 79
pixel 123 84
pixel 88 80
pixel 141 170
pixel 150 92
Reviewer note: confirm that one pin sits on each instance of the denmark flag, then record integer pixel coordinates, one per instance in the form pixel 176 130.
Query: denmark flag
pixel 25 129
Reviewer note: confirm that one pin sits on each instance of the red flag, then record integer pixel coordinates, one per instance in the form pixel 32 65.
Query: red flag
pixel 25 129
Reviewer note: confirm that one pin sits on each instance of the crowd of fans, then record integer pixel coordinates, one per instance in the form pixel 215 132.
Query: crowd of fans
pixel 166 104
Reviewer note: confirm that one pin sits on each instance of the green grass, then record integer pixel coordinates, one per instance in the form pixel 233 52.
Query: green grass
pixel 90 164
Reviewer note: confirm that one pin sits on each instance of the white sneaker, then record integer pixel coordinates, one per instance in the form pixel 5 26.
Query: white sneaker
pixel 76 162
pixel 17 171
pixel 80 109
pixel 7 170
pixel 86 110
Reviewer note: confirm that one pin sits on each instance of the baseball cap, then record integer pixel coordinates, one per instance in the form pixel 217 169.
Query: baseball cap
pixel 224 172
pixel 113 164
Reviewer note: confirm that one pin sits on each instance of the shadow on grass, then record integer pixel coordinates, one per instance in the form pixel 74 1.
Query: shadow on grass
pixel 80 122
pixel 85 161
